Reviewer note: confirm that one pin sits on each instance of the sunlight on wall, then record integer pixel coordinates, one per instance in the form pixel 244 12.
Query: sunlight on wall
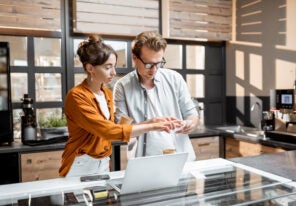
pixel 240 103
pixel 239 90
pixel 285 74
pixel 256 71
pixel 239 65
pixel 291 29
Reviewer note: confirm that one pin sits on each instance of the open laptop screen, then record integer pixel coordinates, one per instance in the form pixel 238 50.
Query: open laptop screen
pixel 152 172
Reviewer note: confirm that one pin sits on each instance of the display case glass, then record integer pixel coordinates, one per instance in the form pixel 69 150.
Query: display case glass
pixel 209 182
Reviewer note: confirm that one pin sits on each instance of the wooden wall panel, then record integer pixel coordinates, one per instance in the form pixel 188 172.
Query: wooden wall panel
pixel 197 19
pixel 123 17
pixel 31 14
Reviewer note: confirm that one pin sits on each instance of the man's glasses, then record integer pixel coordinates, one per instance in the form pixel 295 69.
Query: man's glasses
pixel 151 65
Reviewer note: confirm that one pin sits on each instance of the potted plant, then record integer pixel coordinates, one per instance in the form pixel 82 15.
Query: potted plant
pixel 53 126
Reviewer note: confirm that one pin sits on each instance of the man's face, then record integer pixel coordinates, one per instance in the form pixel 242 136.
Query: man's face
pixel 148 56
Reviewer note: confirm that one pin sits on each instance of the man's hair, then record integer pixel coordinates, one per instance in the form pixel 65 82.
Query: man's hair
pixel 150 39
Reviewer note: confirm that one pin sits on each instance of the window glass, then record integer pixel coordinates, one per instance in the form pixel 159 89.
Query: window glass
pixel 121 49
pixel 195 83
pixel 3 92
pixel 47 52
pixel 43 114
pixel 18 50
pixel 200 109
pixel 119 46
pixel 48 87
pixel 173 56
pixel 78 78
pixel 17 113
pixel 3 82
pixel 76 43
pixel 195 57
pixel 19 86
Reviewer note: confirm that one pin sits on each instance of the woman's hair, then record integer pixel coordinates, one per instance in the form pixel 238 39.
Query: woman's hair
pixel 152 40
pixel 94 51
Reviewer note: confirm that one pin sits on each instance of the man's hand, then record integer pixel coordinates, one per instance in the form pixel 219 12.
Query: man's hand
pixel 190 125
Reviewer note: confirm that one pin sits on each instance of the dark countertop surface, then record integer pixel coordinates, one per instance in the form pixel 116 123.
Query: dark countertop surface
pixel 58 144
pixel 17 146
pixel 281 163
pixel 200 132
pixel 204 132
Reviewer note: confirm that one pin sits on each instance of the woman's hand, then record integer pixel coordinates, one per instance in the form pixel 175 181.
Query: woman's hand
pixel 165 124
pixel 168 125
pixel 160 119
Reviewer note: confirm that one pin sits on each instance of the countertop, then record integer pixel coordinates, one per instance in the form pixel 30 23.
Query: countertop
pixel 200 132
pixel 18 146
pixel 281 163
pixel 286 141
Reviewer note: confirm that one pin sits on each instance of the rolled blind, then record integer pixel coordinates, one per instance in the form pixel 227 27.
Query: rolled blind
pixel 115 17
pixel 31 14
pixel 197 19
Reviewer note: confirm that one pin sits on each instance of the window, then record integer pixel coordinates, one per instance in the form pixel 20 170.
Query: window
pixel 195 58
pixel 47 52
pixel 39 75
pixel 173 56
pixel 46 66
pixel 48 87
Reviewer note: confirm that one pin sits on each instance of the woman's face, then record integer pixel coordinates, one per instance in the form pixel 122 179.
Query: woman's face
pixel 103 73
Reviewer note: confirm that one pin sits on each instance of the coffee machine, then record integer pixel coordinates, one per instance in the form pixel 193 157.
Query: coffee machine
pixel 28 132
pixel 283 105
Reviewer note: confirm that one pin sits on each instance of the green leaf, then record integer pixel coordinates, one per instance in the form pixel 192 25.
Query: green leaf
pixel 53 121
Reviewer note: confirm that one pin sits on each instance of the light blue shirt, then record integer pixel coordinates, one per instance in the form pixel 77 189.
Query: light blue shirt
pixel 173 95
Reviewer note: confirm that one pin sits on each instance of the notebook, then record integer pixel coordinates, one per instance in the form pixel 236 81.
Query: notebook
pixel 150 173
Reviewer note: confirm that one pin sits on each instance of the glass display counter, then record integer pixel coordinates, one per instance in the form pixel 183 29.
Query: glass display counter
pixel 208 182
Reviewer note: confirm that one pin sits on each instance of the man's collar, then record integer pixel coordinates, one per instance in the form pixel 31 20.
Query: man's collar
pixel 156 77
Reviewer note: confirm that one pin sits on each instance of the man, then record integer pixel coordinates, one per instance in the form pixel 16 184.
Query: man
pixel 152 91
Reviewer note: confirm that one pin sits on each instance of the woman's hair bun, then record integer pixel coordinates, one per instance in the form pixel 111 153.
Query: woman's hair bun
pixel 92 39
pixel 95 38
pixel 94 51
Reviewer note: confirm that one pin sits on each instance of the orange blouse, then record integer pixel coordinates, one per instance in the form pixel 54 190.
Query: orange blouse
pixel 89 131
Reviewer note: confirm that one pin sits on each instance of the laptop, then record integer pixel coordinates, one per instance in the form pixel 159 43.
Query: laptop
pixel 150 173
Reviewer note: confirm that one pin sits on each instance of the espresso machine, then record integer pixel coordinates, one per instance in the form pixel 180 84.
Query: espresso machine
pixel 283 106
pixel 28 132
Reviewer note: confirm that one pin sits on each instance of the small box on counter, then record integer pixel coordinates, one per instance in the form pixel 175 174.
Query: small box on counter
pixel 95 194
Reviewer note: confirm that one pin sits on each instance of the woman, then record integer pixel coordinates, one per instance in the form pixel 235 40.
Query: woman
pixel 90 114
